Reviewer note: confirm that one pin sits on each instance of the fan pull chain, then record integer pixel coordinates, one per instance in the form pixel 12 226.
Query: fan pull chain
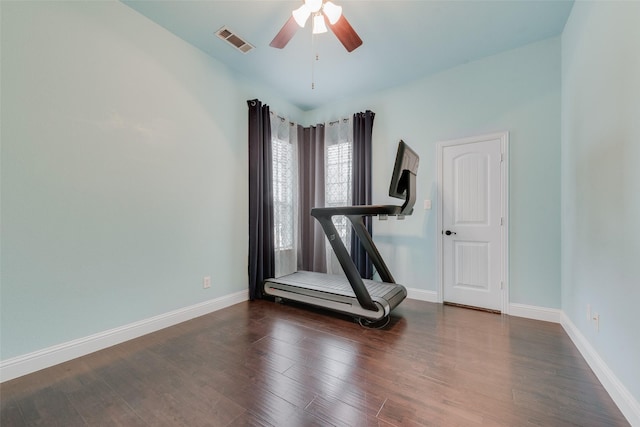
pixel 313 61
pixel 317 58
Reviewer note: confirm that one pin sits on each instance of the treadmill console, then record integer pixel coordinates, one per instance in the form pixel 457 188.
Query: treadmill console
pixel 406 164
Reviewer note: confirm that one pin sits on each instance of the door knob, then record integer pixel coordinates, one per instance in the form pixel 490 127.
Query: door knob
pixel 449 232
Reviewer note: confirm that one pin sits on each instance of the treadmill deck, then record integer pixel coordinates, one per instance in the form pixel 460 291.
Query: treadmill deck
pixel 335 292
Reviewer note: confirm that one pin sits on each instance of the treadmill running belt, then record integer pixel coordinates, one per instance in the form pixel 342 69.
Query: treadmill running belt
pixel 333 283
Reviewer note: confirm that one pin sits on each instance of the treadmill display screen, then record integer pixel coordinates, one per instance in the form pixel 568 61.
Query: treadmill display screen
pixel 406 162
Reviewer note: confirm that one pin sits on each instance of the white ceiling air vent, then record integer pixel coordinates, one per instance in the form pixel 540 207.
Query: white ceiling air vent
pixel 226 34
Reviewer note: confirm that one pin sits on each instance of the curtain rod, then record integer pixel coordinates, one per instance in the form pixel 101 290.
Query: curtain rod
pixel 282 119
pixel 345 120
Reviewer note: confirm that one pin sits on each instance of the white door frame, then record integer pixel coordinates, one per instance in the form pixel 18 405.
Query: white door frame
pixel 504 190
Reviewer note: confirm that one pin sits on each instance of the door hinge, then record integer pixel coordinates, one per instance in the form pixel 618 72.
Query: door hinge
pixel 501 285
pixel 501 220
pixel 501 157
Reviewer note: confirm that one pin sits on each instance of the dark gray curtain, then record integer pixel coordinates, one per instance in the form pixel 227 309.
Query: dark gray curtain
pixel 261 252
pixel 361 190
pixel 311 239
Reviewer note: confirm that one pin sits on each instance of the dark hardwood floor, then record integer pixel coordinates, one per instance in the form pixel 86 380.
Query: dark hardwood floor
pixel 260 363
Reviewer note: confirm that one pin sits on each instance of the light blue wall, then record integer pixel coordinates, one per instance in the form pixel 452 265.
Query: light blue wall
pixel 124 172
pixel 517 91
pixel 601 180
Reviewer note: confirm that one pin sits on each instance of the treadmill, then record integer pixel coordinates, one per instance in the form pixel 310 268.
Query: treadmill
pixel 367 300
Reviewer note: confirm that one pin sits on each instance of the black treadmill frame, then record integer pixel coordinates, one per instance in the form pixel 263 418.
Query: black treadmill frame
pixel 356 215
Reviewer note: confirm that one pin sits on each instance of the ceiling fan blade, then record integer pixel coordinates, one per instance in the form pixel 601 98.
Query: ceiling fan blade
pixel 286 33
pixel 345 33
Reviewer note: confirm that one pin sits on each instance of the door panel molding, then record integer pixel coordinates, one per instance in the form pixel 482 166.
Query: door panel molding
pixel 504 198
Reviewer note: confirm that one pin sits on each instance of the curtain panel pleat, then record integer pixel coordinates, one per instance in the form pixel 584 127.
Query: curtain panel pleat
pixel 261 241
pixel 311 183
pixel 361 187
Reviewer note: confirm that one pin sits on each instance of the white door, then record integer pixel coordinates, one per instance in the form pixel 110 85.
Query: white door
pixel 472 221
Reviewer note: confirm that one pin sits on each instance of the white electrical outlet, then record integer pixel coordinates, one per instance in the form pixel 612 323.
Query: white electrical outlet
pixel 206 282
pixel 596 320
pixel 427 204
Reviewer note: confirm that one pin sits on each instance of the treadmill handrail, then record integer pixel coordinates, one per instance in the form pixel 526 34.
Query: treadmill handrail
pixel 373 210
pixel 366 210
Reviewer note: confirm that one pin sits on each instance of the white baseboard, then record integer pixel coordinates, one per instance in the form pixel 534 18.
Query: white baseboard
pixel 422 295
pixel 625 401
pixel 37 360
pixel 534 312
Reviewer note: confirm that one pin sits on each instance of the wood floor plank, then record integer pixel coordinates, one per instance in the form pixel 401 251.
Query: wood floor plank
pixel 333 411
pixel 97 403
pixel 296 393
pixel 50 407
pixel 263 404
pixel 10 414
pixel 264 364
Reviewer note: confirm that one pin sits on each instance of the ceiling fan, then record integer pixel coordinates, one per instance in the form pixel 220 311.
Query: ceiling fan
pixel 323 12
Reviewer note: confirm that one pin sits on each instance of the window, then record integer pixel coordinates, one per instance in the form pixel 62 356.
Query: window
pixel 337 169
pixel 338 185
pixel 283 168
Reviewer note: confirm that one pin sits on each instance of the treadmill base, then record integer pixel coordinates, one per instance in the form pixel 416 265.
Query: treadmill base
pixel 334 292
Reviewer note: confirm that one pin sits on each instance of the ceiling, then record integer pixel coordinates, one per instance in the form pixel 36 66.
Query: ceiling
pixel 403 40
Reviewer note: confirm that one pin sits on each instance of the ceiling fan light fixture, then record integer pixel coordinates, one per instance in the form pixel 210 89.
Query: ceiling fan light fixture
pixel 301 15
pixel 313 5
pixel 332 11
pixel 318 24
pixel 325 13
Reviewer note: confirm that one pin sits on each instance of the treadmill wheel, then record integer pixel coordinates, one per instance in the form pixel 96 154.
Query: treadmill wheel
pixel 374 324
